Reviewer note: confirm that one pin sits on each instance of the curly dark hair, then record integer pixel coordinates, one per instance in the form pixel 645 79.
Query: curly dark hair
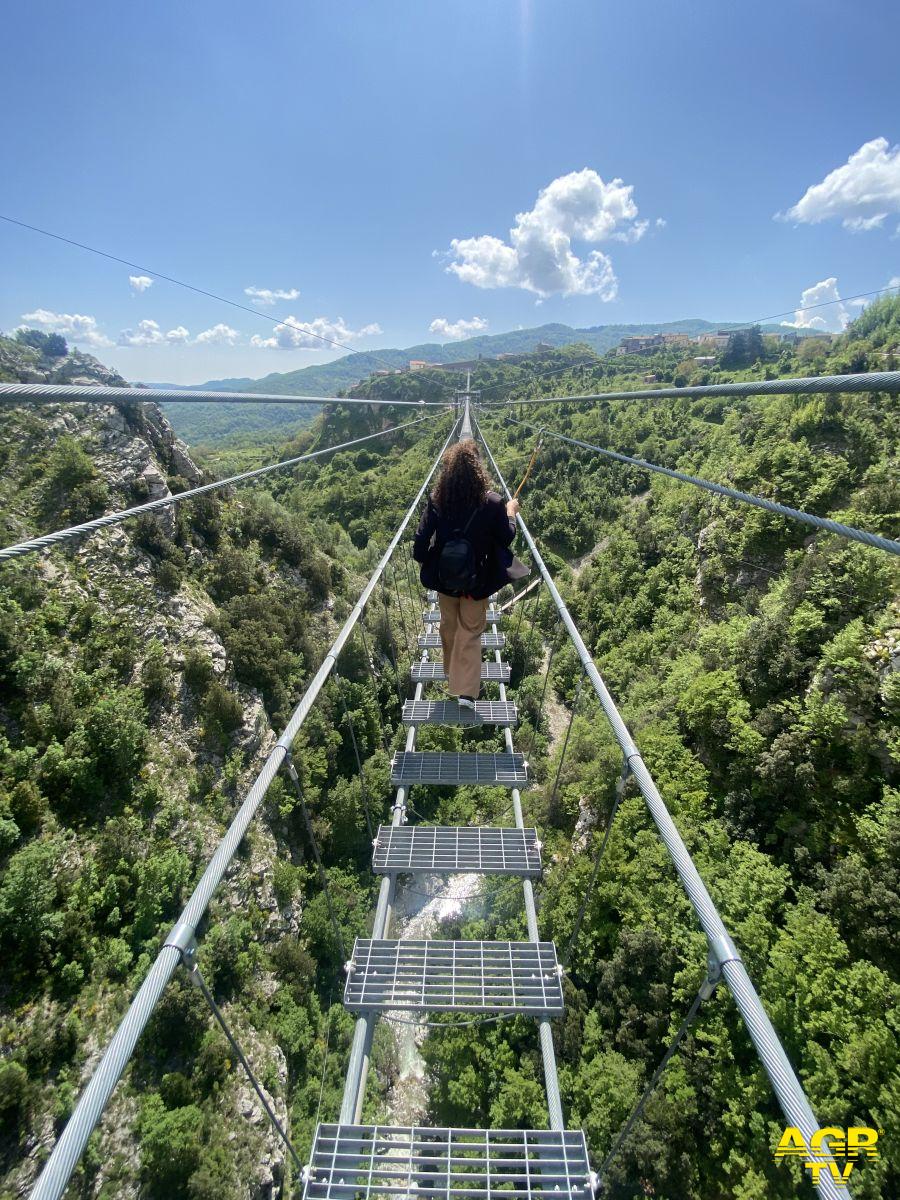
pixel 463 482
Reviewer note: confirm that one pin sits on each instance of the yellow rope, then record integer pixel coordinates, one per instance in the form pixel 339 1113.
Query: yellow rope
pixel 537 446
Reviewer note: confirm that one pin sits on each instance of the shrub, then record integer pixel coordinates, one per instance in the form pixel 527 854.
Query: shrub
pixel 212 1063
pixel 198 671
pixel 232 954
pixel 116 735
pixel 9 832
pixel 50 345
pixel 169 576
pixel 72 488
pixel 222 713
pixel 29 912
pixel 15 1097
pixel 155 675
pixel 285 881
pixel 170 1146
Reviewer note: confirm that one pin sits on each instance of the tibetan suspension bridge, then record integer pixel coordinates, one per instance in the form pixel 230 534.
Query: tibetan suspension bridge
pixel 481 980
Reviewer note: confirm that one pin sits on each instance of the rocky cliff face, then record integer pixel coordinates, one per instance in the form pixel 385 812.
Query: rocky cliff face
pixel 96 628
pixel 20 363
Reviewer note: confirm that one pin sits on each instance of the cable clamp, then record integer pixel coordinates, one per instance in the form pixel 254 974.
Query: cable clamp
pixel 288 761
pixel 349 966
pixel 722 950
pixel 183 939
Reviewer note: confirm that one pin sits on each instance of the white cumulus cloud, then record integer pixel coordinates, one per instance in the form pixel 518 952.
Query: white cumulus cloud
pixel 457 329
pixel 140 283
pixel 862 193
pixel 219 334
pixel 266 297
pixel 578 207
pixel 148 333
pixel 292 334
pixel 75 326
pixel 831 319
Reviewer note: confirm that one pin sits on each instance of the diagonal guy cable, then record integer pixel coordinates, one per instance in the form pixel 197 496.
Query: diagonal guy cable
pixel 718 489
pixel 116 518
pixel 317 854
pixel 706 990
pixel 198 980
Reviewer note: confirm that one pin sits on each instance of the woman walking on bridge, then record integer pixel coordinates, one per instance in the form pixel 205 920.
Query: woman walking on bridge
pixel 463 545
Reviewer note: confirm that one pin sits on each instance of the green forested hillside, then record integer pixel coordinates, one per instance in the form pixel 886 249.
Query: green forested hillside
pixel 755 663
pixel 208 424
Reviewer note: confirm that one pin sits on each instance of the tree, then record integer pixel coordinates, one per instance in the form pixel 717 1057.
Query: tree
pixel 745 347
pixel 50 345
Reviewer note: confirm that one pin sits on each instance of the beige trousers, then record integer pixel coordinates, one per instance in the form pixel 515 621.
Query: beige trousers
pixel 463 621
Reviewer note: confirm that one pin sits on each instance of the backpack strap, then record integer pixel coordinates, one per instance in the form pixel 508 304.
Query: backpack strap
pixel 475 513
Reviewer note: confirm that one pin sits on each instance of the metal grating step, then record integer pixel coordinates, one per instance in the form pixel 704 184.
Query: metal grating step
pixel 448 849
pixel 425 672
pixel 494 616
pixel 362 1162
pixel 431 766
pixel 451 976
pixel 489 641
pixel 448 712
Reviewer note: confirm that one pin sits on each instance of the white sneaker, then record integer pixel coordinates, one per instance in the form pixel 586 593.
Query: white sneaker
pixel 466 702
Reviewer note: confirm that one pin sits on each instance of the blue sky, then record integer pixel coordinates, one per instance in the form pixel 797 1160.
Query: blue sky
pixel 330 150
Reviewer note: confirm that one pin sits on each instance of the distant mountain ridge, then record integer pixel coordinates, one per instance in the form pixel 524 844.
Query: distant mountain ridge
pixel 199 423
pixel 328 378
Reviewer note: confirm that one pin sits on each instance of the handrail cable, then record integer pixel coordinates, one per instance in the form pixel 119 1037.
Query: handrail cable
pixel 54 1177
pixel 597 356
pixel 784 1081
pixel 805 385
pixel 116 518
pixel 20 393
pixel 718 489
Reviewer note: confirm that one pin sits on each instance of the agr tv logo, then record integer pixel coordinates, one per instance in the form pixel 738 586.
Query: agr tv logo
pixel 858 1142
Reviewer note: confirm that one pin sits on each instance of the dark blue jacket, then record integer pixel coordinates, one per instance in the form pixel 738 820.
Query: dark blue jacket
pixel 491 534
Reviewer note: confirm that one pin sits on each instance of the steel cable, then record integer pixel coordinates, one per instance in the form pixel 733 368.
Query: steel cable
pixel 116 518
pixel 320 866
pixel 806 385
pixel 58 393
pixel 718 489
pixel 198 980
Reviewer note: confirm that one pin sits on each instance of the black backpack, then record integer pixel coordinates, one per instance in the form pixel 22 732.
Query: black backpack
pixel 456 567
